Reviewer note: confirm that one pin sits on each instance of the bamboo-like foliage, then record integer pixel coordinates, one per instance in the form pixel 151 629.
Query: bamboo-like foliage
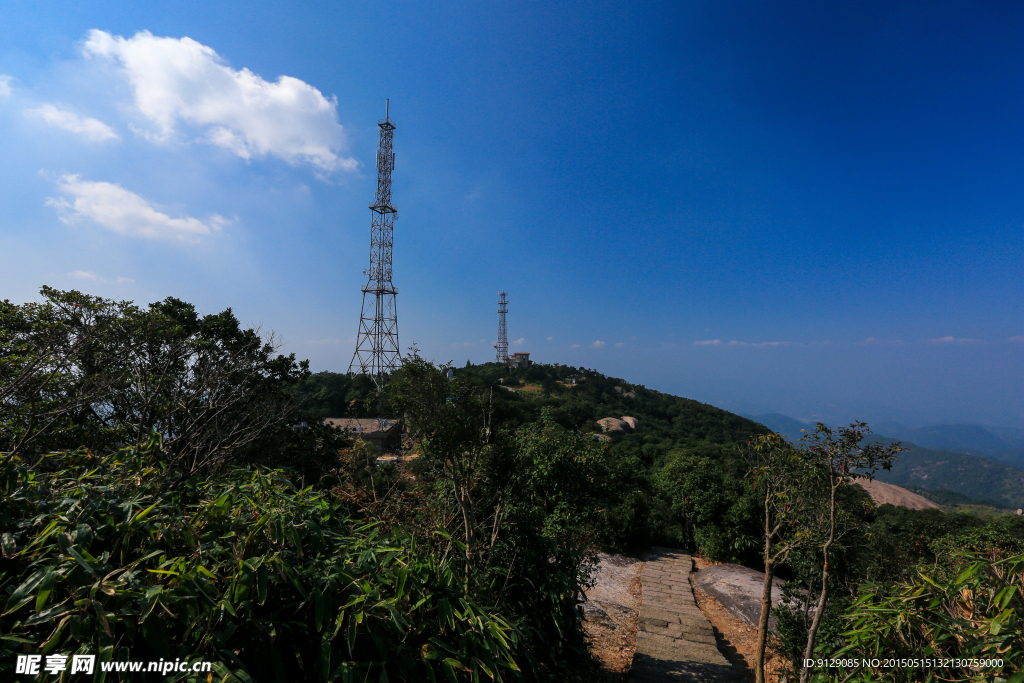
pixel 976 614
pixel 268 581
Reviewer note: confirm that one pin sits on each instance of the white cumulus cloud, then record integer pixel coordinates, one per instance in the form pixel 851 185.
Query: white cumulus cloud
pixel 598 344
pixel 179 81
pixel 5 85
pixel 89 128
pixel 519 342
pixel 112 207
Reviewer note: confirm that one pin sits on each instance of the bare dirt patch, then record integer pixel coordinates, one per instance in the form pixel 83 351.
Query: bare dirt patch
pixel 882 493
pixel 736 639
pixel 611 613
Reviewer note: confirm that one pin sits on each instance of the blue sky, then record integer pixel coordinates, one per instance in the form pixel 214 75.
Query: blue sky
pixel 802 208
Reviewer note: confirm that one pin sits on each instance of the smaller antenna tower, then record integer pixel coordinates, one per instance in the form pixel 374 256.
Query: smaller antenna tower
pixel 502 343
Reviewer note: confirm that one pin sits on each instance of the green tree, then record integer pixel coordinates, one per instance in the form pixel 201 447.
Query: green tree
pixel 783 478
pixel 451 421
pixel 79 370
pixel 836 458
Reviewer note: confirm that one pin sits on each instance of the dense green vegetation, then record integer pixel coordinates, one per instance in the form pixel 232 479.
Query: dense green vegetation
pixel 950 499
pixel 267 580
pixel 158 500
pixel 161 500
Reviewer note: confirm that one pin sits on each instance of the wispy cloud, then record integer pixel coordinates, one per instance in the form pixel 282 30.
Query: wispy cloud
pixel 619 345
pixel 871 341
pixel 574 346
pixel 89 128
pixel 519 342
pixel 771 344
pixel 1015 340
pixel 112 207
pixel 180 81
pixel 5 85
pixel 708 342
pixel 954 340
pixel 550 338
pixel 598 344
pixel 93 277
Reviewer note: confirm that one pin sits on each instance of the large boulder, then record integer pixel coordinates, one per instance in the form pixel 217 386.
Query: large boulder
pixel 613 425
pixel 739 591
pixel 631 421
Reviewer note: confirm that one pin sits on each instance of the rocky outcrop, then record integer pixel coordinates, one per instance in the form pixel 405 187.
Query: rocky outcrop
pixel 882 493
pixel 613 425
pixel 739 590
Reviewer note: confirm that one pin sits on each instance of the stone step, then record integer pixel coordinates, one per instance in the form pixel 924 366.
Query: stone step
pixel 675 641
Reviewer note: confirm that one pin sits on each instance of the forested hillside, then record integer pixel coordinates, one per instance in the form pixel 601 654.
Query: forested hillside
pixel 974 476
pixel 520 396
pixel 174 470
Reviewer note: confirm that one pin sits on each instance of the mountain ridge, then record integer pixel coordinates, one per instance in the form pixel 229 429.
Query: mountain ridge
pixel 976 476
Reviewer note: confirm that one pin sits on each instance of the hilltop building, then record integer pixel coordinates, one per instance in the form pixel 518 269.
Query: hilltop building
pixel 519 359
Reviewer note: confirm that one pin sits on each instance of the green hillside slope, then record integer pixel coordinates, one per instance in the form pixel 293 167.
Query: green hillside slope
pixel 662 417
pixel 578 398
pixel 973 476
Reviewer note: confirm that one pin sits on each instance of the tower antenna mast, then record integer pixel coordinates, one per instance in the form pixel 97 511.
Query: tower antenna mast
pixel 377 352
pixel 502 344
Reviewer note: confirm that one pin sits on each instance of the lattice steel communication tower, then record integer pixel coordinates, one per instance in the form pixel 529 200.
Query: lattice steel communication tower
pixel 377 351
pixel 502 343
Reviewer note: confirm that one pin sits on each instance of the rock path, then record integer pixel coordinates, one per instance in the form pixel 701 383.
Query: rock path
pixel 675 641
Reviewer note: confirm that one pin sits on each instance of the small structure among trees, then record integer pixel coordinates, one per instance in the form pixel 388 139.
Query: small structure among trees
pixel 519 359
pixel 382 434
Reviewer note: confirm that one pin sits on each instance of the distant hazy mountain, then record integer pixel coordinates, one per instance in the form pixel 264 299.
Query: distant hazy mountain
pixel 1013 456
pixel 999 478
pixel 953 437
pixel 1012 436
pixel 971 475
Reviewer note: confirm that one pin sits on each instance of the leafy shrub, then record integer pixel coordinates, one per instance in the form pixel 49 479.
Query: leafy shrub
pixel 977 613
pixel 266 580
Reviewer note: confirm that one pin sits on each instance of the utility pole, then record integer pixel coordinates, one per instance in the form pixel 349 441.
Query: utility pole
pixel 377 351
pixel 502 343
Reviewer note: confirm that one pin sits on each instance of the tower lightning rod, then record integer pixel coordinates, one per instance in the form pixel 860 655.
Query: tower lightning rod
pixel 377 353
